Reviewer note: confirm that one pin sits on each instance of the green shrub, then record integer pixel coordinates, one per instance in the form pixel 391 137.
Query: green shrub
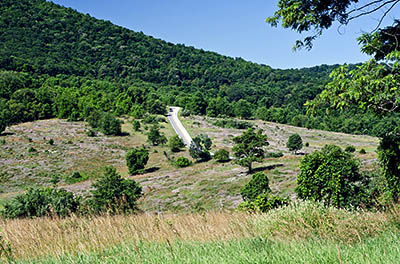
pixel 155 136
pixel 51 142
pixel 263 203
pixel 389 158
pixel 274 154
pixel 200 148
pixel 331 176
pixel 294 143
pixel 136 125
pixel 258 185
pixel 350 149
pixel 183 162
pixel 113 194
pixel 110 125
pixel 32 150
pixel 176 144
pixel 42 202
pixel 75 177
pixel 232 123
pixel 136 160
pixel 222 155
pixel 362 151
pixel 307 144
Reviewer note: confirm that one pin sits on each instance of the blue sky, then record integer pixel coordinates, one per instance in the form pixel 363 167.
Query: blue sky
pixel 234 28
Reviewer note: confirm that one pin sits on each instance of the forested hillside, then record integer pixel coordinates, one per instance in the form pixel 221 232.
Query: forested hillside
pixel 56 62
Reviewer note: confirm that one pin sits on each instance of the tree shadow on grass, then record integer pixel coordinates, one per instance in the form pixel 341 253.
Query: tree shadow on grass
pixel 264 168
pixel 124 134
pixel 150 170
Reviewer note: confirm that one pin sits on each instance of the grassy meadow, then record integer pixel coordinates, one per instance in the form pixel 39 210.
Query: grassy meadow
pixel 200 187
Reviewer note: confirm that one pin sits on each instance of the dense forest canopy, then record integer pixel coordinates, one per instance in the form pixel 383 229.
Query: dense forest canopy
pixel 56 62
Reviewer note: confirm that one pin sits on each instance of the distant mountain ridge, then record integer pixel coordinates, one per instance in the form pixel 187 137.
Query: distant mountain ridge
pixel 51 44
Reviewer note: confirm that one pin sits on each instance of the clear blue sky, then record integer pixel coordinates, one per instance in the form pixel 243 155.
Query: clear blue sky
pixel 234 28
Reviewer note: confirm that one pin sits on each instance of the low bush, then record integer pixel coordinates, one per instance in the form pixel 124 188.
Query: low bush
pixel 274 154
pixel 222 155
pixel 350 149
pixel 42 202
pixel 362 151
pixel 263 203
pixel 232 123
pixel 258 185
pixel 182 162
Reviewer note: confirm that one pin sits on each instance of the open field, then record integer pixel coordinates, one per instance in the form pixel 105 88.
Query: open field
pixel 302 233
pixel 203 186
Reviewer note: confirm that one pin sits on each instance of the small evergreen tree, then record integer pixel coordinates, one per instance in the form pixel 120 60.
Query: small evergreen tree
pixel 136 160
pixel 155 136
pixel 259 184
pixel 112 193
pixel 295 143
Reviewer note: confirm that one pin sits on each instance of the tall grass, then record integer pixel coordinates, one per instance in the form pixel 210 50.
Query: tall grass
pixel 223 237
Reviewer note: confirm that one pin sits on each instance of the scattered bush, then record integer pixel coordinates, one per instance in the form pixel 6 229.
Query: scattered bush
pixel 258 185
pixel 155 136
pixel 350 149
pixel 75 177
pixel 42 202
pixel 330 176
pixel 263 203
pixel 183 162
pixel 136 160
pixel 307 144
pixel 200 148
pixel 51 142
pixel 222 155
pixel 362 151
pixel 136 125
pixel 110 125
pixel 32 150
pixel 113 194
pixel 274 154
pixel 175 143
pixel 294 143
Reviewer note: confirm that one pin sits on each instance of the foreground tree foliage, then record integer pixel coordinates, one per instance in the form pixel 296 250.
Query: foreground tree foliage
pixel 389 157
pixel 331 176
pixel 136 160
pixel 42 202
pixel 249 147
pixel 372 86
pixel 113 194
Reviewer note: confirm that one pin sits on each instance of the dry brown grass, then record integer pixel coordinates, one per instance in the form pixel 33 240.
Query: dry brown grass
pixel 33 238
